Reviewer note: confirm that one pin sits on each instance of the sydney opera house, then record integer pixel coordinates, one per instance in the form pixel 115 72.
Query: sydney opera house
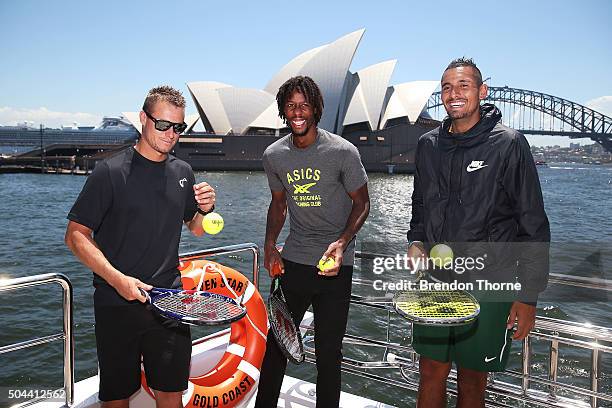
pixel 383 120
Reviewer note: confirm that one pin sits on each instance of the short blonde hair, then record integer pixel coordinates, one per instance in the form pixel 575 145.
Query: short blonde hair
pixel 163 93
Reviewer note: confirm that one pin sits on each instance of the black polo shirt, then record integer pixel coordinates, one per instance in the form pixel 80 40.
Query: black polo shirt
pixel 136 208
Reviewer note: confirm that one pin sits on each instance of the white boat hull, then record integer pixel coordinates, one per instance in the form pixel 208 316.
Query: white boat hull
pixel 206 353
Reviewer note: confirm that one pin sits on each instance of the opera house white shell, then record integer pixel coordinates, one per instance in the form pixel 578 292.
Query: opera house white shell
pixel 364 97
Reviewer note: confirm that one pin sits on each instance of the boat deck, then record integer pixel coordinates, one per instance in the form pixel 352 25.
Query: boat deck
pixel 398 366
pixel 295 393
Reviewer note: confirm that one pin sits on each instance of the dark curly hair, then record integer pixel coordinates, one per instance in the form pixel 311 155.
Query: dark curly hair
pixel 307 87
pixel 466 62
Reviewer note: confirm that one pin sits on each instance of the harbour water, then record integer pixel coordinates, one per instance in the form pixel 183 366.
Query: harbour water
pixel 33 219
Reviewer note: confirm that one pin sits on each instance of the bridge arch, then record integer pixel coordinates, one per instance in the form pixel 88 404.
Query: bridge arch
pixel 583 121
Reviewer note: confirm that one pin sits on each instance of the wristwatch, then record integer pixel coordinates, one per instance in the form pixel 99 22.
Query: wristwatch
pixel 201 211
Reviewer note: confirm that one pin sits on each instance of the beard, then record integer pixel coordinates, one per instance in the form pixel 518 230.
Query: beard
pixel 463 114
pixel 458 115
pixel 300 132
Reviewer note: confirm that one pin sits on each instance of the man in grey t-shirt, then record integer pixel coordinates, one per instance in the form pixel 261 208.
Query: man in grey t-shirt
pixel 320 178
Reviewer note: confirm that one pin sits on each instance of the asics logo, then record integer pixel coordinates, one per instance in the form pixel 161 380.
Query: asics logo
pixel 475 165
pixel 487 359
pixel 182 182
pixel 302 189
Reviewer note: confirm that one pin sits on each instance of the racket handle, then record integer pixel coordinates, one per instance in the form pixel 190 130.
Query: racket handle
pixel 276 269
pixel 275 283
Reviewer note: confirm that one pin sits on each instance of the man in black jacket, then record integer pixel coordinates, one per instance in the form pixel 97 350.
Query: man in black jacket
pixel 476 188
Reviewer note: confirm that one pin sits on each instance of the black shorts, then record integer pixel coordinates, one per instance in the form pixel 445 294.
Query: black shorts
pixel 124 334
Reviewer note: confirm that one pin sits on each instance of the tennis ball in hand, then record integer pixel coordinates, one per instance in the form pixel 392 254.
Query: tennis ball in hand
pixel 325 264
pixel 441 255
pixel 212 223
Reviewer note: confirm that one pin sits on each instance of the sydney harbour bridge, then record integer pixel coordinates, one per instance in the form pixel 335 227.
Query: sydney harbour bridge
pixel 537 113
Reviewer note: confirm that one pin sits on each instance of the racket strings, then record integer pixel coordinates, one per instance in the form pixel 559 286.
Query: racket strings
pixel 437 304
pixel 197 306
pixel 284 327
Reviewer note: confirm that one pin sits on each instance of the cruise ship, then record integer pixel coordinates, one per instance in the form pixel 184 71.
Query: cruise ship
pixel 69 148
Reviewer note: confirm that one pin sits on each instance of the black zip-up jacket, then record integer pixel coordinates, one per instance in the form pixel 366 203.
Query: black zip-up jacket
pixel 482 186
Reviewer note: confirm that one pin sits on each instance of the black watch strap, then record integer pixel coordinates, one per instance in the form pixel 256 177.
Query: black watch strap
pixel 198 209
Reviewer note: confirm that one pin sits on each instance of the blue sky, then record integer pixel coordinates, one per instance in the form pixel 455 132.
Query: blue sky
pixel 80 60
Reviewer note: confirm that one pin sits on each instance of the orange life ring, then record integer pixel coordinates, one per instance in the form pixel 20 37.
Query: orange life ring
pixel 237 373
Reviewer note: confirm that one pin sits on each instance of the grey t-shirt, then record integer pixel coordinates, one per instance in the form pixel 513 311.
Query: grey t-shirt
pixel 317 180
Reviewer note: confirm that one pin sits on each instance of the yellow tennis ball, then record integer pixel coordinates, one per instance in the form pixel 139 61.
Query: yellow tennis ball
pixel 326 264
pixel 441 255
pixel 212 223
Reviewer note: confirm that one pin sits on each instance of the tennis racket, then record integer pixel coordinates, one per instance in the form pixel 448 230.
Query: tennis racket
pixel 195 307
pixel 433 307
pixel 437 307
pixel 288 337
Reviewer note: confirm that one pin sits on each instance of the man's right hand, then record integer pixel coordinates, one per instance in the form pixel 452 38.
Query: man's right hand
pixel 128 288
pixel 272 257
pixel 417 257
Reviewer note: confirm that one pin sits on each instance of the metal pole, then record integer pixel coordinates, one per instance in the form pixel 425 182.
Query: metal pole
pixel 552 369
pixel 68 324
pixel 526 363
pixel 594 375
pixel 255 251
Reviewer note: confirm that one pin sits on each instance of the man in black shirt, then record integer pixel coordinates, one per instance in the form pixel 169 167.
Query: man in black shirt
pixel 126 227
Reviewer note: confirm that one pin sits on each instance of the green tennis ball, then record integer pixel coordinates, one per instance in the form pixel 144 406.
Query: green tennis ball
pixel 441 255
pixel 212 223
pixel 325 264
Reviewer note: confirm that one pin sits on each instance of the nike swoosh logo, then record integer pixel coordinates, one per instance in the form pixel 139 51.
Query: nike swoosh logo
pixel 487 360
pixel 471 168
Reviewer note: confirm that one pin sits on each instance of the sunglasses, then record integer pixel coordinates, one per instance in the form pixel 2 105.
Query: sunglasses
pixel 163 125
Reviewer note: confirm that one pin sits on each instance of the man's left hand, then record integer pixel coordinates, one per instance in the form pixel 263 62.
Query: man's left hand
pixel 334 250
pixel 204 195
pixel 524 315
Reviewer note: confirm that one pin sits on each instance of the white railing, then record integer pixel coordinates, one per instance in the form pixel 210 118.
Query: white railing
pixel 66 335
pixel 557 333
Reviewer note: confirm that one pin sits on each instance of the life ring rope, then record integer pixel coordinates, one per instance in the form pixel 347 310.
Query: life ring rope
pixel 246 295
pixel 220 272
pixel 256 328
